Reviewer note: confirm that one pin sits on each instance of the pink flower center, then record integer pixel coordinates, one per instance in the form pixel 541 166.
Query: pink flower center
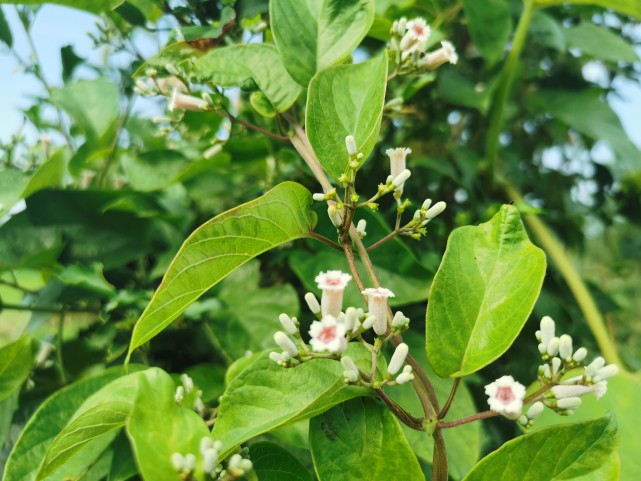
pixel 333 281
pixel 418 30
pixel 505 394
pixel 327 334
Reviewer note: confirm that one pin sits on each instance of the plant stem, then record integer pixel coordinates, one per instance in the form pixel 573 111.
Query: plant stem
pixel 326 241
pixel 383 240
pixel 504 88
pixel 399 412
pixel 467 419
pixel 450 398
pixel 579 290
pixel 59 342
pixel 114 145
pixel 439 458
pixel 249 125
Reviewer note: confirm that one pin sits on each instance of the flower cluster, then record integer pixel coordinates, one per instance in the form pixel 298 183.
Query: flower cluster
pixel 560 393
pixel 409 42
pixel 237 465
pixel 334 328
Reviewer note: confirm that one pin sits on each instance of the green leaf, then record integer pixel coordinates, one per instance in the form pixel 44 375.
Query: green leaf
pixel 588 113
pixel 361 440
pixel 222 245
pixel 15 365
pixel 158 427
pixel 627 7
pixel 70 61
pixel 623 399
pixel 258 63
pixel 313 35
pixel 346 100
pixel 5 30
pixel 266 396
pixel 273 463
pixel 490 25
pixel 104 412
pixel 90 278
pixel 178 54
pixel 93 6
pixel 600 43
pixel 123 464
pixel 483 293
pixel 555 453
pixel 458 89
pixel 50 418
pixel 547 31
pixel 92 104
pixel 463 443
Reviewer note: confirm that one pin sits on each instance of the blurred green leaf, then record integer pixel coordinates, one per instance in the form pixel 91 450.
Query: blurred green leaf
pixel 93 6
pixel 90 278
pixel 15 364
pixel 273 463
pixel 131 14
pixel 490 25
pixel 70 61
pixel 92 104
pixel 51 417
pixel 258 63
pixel 547 31
pixel 153 442
pixel 24 245
pixel 222 245
pixel 364 436
pixel 483 292
pixel 601 43
pixel 5 30
pixel 123 465
pixel 314 35
pixel 457 89
pixel 627 7
pixel 341 101
pixel 555 453
pixel 266 396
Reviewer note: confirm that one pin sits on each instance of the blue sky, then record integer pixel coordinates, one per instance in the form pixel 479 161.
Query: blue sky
pixel 57 26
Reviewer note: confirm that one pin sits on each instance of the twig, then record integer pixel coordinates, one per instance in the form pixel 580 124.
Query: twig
pixel 325 240
pixel 468 419
pixel 59 341
pixel 450 398
pixel 399 412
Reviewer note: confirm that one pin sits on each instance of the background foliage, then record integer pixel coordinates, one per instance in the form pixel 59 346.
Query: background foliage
pixel 110 195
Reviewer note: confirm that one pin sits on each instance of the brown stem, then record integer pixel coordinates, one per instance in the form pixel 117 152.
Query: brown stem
pixel 465 420
pixel 325 240
pixel 439 459
pixel 249 125
pixel 450 398
pixel 399 412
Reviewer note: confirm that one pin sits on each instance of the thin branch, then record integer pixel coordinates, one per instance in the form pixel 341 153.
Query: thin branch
pixel 450 398
pixel 59 341
pixel 465 420
pixel 325 240
pixel 399 412
pixel 249 125
pixel 383 240
pixel 114 145
pixel 51 309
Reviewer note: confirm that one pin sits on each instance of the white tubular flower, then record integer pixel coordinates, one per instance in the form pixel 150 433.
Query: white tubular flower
pixel 186 102
pixel 435 210
pixel 607 372
pixel 351 371
pixel 318 197
pixel 535 410
pixel 178 461
pixel 553 347
pixel 190 462
pixel 360 227
pixel 400 320
pixel 397 160
pixel 505 396
pixel 415 39
pixel 246 465
pixel 288 324
pixel 426 204
pixel 569 403
pixel 400 179
pixel 210 460
pixel 547 372
pixel 547 330
pixel 285 343
pixel 433 60
pixel 563 391
pixel 377 306
pixel 368 323
pixel 398 358
pixel 404 377
pixel 335 216
pixel 594 366
pixel 350 143
pixel 333 284
pixel 312 303
pixel 351 318
pixel 565 347
pixel 580 354
pixel 328 335
pixel 213 150
pixel 167 84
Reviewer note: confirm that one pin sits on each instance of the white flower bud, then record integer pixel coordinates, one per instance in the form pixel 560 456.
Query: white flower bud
pixel 171 69
pixel 543 348
pixel 368 322
pixel 246 465
pixel 205 444
pixel 399 320
pixel 186 102
pixel 398 358
pixel 594 366
pixel 210 460
pixel 360 227
pixel 178 461
pixel 535 410
pixel 547 372
pixel 288 324
pixel 537 334
pixel 350 143
pixel 319 197
pixel 580 354
pixel 565 347
pixel 569 403
pixel 578 390
pixel 234 461
pixel 218 445
pixel 335 216
pixel 351 376
pixel 277 358
pixel 426 204
pixel 348 364
pixel 351 318
pixel 312 303
pixel 556 364
pixel 404 377
pixel 547 330
pixel 213 150
pixel 187 382
pixel 400 179
pixel 435 210
pixel 608 371
pixel 553 346
pixel 407 369
pixel 285 343
pixel 190 462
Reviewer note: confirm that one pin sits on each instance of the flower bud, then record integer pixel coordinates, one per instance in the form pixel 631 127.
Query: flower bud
pixel 187 382
pixel 178 461
pixel 565 347
pixel 400 179
pixel 368 322
pixel 435 210
pixel 319 197
pixel 234 461
pixel 312 303
pixel 556 364
pixel 186 102
pixel 553 346
pixel 351 318
pixel 288 324
pixel 350 143
pixel 190 462
pixel 213 150
pixel 285 343
pixel 568 403
pixel 607 372
pixel 210 460
pixel 404 377
pixel 547 330
pixel 277 358
pixel 335 216
pixel 360 227
pixel 180 395
pixel 580 354
pixel 594 366
pixel 171 69
pixel 399 320
pixel 348 364
pixel 246 465
pixel 426 204
pixel 398 358
pixel 535 410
